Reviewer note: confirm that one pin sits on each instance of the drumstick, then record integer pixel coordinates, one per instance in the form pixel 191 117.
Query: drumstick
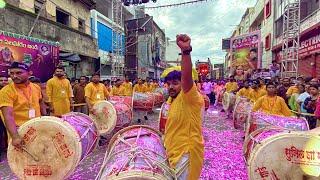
pixel 133 136
pixel 81 104
pixel 304 114
pixel 30 154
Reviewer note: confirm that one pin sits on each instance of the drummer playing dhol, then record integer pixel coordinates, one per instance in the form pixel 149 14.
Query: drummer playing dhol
pixel 20 101
pixel 183 134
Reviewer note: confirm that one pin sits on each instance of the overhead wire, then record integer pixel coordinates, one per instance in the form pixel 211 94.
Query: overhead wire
pixel 176 4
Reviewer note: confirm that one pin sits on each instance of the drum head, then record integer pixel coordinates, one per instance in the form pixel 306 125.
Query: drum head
pixel 226 101
pixel 105 117
pixel 53 143
pixel 292 155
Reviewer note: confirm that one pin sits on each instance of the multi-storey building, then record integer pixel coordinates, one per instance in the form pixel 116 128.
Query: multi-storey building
pixel 63 21
pixel 262 19
pixel 102 22
pixel 309 52
pixel 145 47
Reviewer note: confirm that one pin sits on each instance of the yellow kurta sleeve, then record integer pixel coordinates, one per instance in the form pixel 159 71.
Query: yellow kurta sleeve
pixel 105 92
pixel 70 92
pixel 258 104
pixel 49 90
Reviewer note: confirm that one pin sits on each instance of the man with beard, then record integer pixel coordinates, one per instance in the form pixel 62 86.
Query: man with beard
pixel 283 88
pixel 127 87
pixel 183 133
pixel 256 91
pixel 94 92
pixel 20 101
pixel 59 92
pixel 245 91
pixel 118 89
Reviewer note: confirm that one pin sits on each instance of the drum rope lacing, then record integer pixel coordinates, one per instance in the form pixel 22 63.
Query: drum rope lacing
pixel 135 151
pixel 89 128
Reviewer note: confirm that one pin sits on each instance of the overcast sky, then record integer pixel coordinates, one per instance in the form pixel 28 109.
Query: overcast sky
pixel 206 22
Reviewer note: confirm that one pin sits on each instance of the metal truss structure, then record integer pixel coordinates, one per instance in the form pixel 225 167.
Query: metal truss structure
pixel 291 38
pixel 117 39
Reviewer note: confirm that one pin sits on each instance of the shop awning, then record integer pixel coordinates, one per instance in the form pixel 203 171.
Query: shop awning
pixel 69 57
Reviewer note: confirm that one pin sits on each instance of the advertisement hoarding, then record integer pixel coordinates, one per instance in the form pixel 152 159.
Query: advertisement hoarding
pixel 40 55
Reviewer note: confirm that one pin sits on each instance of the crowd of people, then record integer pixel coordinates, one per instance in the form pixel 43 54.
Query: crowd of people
pixel 277 96
pixel 23 96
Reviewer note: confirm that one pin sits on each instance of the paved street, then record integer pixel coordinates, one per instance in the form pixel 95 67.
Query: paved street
pixel 223 149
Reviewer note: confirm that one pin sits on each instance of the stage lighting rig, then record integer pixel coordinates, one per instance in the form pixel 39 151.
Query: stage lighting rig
pixel 136 2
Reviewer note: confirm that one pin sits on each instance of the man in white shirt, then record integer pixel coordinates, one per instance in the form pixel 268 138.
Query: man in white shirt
pixel 302 97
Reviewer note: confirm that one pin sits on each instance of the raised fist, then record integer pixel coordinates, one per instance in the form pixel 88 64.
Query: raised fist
pixel 184 42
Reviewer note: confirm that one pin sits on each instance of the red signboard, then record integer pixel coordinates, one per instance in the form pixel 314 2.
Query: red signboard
pixel 310 46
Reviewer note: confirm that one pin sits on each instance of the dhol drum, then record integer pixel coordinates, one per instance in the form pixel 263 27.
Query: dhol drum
pixel 135 152
pixel 206 101
pixel 123 99
pixel 53 146
pixel 284 155
pixel 111 115
pixel 163 116
pixel 242 109
pixel 259 120
pixel 158 98
pixel 228 101
pixel 143 101
pixel 124 114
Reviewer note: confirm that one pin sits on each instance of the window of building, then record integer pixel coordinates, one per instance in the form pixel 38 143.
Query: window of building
pixel 62 17
pixel 267 44
pixel 307 7
pixel 82 25
pixel 267 10
pixel 278 29
pixel 37 5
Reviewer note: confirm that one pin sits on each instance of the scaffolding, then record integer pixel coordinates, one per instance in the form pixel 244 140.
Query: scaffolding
pixel 117 39
pixel 291 38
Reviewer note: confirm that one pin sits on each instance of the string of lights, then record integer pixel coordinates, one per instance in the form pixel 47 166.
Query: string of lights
pixel 176 4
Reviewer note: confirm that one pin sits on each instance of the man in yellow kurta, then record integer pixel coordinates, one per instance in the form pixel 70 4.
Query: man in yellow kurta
pixel 271 103
pixel 231 86
pixel 95 92
pixel 149 87
pixel 244 92
pixel 20 101
pixel 127 87
pixel 155 85
pixel 292 90
pixel 256 91
pixel 183 133
pixel 59 92
pixel 118 89
pixel 140 87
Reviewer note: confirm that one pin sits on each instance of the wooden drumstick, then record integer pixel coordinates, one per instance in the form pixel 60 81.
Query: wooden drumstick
pixel 133 136
pixel 30 154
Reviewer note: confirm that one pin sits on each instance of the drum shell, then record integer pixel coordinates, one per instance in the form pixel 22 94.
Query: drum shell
pixel 241 112
pixel 118 154
pixel 143 101
pixel 259 120
pixel 206 101
pixel 228 101
pixel 124 115
pixel 163 116
pixel 286 155
pixel 56 142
